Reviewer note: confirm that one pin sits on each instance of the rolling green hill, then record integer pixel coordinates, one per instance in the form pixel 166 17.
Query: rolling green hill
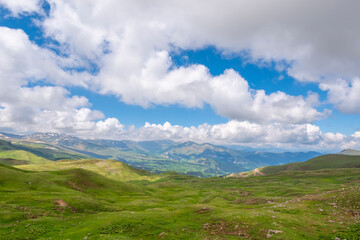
pixel 48 151
pixel 109 168
pixel 34 152
pixel 4 146
pixel 350 152
pixel 81 204
pixel 24 157
pixel 317 163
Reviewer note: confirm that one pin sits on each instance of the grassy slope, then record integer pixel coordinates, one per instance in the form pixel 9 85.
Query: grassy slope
pixel 148 161
pixel 350 152
pixel 23 156
pixel 36 152
pixel 4 146
pixel 317 163
pixel 12 162
pixel 48 151
pixel 109 168
pixel 329 161
pixel 303 205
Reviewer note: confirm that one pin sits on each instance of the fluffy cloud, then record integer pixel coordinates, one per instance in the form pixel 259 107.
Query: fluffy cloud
pixel 21 6
pixel 138 69
pixel 130 38
pixel 344 94
pixel 41 108
pixel 272 135
pixel 131 43
pixel 231 96
pixel 22 61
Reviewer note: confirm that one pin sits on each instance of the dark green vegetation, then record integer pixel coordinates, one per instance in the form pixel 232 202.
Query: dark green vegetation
pixel 103 199
pixel 190 158
pixel 17 157
pixel 317 163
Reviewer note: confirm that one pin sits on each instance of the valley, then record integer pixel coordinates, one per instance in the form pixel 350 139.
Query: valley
pixel 76 203
pixel 108 199
pixel 74 196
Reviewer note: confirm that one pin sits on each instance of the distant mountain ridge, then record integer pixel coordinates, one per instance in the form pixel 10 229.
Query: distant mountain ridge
pixel 159 156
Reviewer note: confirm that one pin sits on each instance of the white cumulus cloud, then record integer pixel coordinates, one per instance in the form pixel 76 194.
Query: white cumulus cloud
pixel 270 135
pixel 21 6
pixel 131 43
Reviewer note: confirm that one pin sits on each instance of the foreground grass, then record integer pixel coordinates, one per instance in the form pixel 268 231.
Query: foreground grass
pixel 80 204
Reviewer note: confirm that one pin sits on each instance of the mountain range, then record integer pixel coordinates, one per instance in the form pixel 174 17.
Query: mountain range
pixel 157 156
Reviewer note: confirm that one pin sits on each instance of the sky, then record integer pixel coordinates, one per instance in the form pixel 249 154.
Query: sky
pixel 274 74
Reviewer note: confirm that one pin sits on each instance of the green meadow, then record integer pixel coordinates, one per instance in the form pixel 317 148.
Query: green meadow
pixel 79 199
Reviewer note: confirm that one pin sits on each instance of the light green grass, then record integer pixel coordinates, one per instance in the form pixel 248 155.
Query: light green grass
pixel 23 155
pixel 109 168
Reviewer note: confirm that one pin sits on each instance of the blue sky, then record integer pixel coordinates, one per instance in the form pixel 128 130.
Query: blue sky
pixel 98 70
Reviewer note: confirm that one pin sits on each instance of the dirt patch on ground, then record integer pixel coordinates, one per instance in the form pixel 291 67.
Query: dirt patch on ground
pixel 75 186
pixel 355 181
pixel 203 210
pixel 227 229
pixel 257 172
pixel 63 206
pixel 61 203
pixel 252 201
pixel 255 201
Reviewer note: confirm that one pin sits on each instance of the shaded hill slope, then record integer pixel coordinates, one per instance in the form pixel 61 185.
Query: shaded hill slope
pixel 41 150
pixel 109 168
pixel 16 157
pixel 350 152
pixel 328 161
